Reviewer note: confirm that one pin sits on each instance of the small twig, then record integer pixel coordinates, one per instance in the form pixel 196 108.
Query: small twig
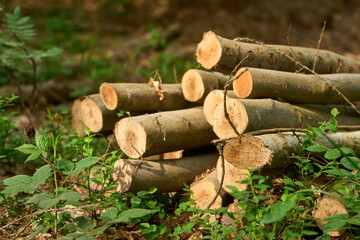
pixel 310 158
pixel 319 43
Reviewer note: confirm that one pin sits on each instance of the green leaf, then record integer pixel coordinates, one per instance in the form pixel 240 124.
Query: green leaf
pixel 324 237
pixel 351 163
pixel 70 196
pixel 332 154
pixel 334 225
pixel 355 220
pixel 48 203
pixel 27 148
pixel 15 189
pixel 110 214
pixel 42 174
pixel 317 148
pixel 126 215
pixel 40 197
pixel 65 165
pixel 41 141
pixel 18 179
pixel 335 112
pixel 84 163
pixel 279 210
pixel 84 224
pixel 33 156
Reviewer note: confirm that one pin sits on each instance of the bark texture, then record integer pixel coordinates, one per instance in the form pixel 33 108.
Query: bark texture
pixel 155 133
pixel 297 88
pixel 96 116
pixel 197 84
pixel 223 55
pixel 255 114
pixel 272 150
pixel 141 97
pixel 165 175
pixel 212 100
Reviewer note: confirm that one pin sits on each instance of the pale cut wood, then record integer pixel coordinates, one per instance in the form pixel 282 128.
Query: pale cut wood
pixel 272 150
pixel 255 114
pixel 146 135
pixel 142 97
pixel 212 100
pixel 326 207
pixel 233 175
pixel 165 175
pixel 223 55
pixel 96 116
pixel 296 88
pixel 196 84
pixel 76 120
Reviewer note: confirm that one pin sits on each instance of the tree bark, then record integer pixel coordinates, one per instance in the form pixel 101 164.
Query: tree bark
pixel 197 84
pixel 326 207
pixel 272 150
pixel 223 55
pixel 255 114
pixel 233 175
pixel 141 97
pixel 212 100
pixel 76 119
pixel 155 133
pixel 165 175
pixel 296 88
pixel 96 116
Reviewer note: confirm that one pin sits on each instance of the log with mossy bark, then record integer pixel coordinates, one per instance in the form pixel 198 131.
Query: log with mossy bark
pixel 212 100
pixel 166 175
pixel 96 116
pixel 256 114
pixel 223 55
pixel 196 84
pixel 142 97
pixel 296 88
pixel 155 133
pixel 273 150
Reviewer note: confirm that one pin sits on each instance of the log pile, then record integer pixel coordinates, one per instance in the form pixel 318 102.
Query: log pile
pixel 259 87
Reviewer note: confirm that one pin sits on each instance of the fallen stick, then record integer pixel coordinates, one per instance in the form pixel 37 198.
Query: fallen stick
pixel 223 55
pixel 234 175
pixel 197 84
pixel 155 133
pixel 212 100
pixel 296 88
pixel 255 114
pixel 141 97
pixel 76 120
pixel 96 116
pixel 165 175
pixel 273 150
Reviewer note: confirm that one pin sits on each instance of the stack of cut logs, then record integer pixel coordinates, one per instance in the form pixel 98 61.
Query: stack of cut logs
pixel 276 87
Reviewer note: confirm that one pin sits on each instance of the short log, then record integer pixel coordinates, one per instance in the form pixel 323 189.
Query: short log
pixel 165 175
pixel 76 120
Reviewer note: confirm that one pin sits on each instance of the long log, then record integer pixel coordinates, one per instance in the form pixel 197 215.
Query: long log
pixel 296 88
pixel 255 114
pixel 155 133
pixel 165 175
pixel 272 150
pixel 141 97
pixel 223 55
pixel 96 116
pixel 197 84
pixel 327 207
pixel 212 100
pixel 76 120
pixel 234 175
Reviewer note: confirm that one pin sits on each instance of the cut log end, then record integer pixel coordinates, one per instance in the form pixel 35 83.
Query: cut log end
pixel 233 175
pixel 212 100
pixel 237 114
pixel 243 85
pixel 209 50
pixel 131 137
pixel 76 121
pixel 249 151
pixel 92 115
pixel 192 86
pixel 122 175
pixel 109 96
